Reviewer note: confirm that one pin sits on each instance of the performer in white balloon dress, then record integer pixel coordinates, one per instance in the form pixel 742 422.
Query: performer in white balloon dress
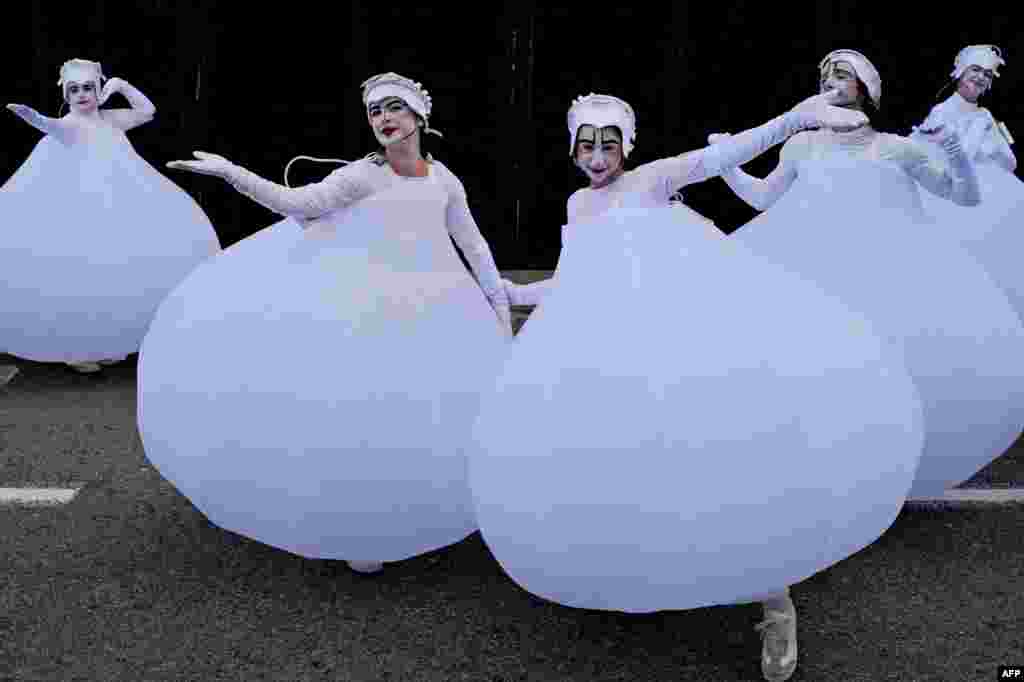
pixel 353 446
pixel 734 431
pixel 96 237
pixel 992 232
pixel 844 210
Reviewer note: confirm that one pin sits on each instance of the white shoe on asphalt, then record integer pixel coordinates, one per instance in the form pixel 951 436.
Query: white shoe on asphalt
pixel 84 367
pixel 779 652
pixel 366 566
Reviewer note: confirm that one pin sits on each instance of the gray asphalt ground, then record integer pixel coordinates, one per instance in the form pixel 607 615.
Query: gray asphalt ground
pixel 130 582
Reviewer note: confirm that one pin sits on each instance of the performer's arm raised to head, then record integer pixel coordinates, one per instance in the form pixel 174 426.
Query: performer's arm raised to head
pixel 142 109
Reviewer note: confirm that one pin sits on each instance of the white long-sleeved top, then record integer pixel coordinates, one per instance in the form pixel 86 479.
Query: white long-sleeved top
pixel 980 134
pixel 954 180
pixel 359 180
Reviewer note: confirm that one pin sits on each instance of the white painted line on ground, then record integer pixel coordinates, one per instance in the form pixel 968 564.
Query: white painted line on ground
pixel 981 495
pixel 37 496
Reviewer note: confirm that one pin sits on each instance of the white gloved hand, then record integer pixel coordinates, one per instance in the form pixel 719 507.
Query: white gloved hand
pixel 207 164
pixel 818 112
pixel 945 137
pixel 25 112
pixel 963 187
pixel 527 294
pixel 109 88
pixel 715 138
pixel 45 124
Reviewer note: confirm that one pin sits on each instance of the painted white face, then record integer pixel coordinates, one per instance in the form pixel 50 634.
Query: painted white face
pixel 82 97
pixel 974 82
pixel 599 153
pixel 841 77
pixel 391 120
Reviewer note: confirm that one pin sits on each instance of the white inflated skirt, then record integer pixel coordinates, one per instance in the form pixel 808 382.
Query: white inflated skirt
pixel 729 431
pixel 993 232
pixel 858 230
pixel 94 238
pixel 318 397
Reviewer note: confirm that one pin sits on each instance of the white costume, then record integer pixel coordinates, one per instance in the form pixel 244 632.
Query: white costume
pixel 353 445
pixel 94 237
pixel 992 232
pixel 844 210
pixel 617 483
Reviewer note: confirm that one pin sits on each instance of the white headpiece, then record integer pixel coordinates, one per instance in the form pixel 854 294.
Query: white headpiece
pixel 80 70
pixel 391 84
pixel 864 69
pixel 600 111
pixel 986 56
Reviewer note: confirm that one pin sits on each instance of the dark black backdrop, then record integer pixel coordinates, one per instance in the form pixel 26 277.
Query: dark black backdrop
pixel 260 85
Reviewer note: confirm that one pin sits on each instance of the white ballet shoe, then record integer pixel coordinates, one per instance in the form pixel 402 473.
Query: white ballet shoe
pixel 366 566
pixel 84 367
pixel 779 652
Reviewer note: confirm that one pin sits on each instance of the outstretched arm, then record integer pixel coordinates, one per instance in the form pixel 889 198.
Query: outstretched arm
pixel 699 165
pixel 760 194
pixel 955 180
pixel 142 110
pixel 341 188
pixel 50 126
pixel 463 229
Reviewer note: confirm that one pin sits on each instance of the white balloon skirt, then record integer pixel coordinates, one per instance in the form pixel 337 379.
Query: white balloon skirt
pixel 318 397
pixel 94 239
pixel 858 230
pixel 993 232
pixel 729 431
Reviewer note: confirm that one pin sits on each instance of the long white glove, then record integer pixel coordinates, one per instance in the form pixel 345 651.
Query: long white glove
pixel 957 181
pixel 342 187
pixel 463 229
pixel 142 110
pixel 44 124
pixel 136 99
pixel 760 194
pixel 813 112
